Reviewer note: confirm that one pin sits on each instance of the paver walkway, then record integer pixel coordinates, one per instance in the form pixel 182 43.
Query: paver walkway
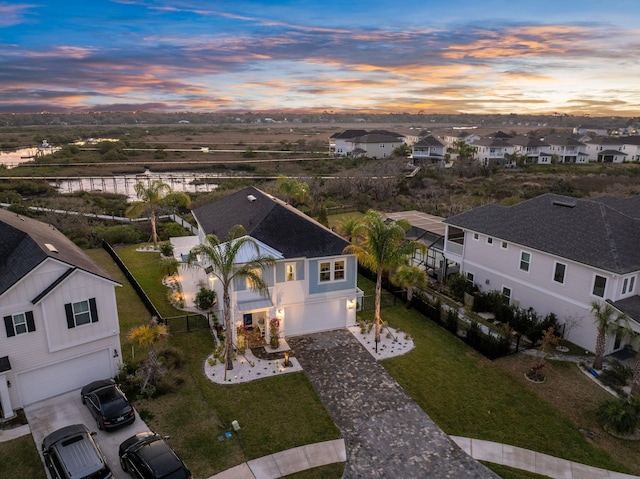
pixel 385 431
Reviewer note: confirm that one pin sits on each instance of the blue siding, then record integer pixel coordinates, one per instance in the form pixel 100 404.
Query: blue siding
pixel 240 284
pixel 331 286
pixel 281 269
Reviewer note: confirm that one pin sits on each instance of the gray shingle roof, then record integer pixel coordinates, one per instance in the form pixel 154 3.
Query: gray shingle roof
pixel 270 221
pixel 23 247
pixel 429 141
pixel 594 232
pixel 524 140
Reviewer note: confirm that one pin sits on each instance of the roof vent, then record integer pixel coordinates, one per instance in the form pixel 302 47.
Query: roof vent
pixel 251 198
pixel 51 248
pixel 566 204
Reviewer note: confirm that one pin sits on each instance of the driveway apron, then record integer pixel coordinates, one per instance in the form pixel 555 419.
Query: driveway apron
pixel 385 431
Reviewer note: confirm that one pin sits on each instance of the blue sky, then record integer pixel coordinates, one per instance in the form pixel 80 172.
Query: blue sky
pixel 467 56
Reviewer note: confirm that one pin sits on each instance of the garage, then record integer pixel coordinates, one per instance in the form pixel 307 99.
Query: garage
pixel 311 318
pixel 59 378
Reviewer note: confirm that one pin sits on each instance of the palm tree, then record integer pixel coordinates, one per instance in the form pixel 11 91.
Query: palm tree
pixel 410 278
pixel 606 324
pixel 380 246
pixel 152 195
pixel 222 258
pixel 147 336
pixel 345 227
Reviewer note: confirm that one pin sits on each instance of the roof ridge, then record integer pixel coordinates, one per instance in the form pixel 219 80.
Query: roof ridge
pixel 610 236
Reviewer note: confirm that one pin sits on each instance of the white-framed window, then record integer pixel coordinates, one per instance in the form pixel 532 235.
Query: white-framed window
pixel 504 245
pixel 81 313
pixel 599 286
pixel 489 240
pixel 19 323
pixel 476 236
pixel 506 294
pixel 470 277
pixel 332 270
pixel 290 272
pixel 628 284
pixel 525 261
pixel 559 272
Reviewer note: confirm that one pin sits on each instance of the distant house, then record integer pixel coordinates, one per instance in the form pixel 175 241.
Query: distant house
pixel 340 144
pixel 451 137
pixel 534 150
pixel 631 146
pixel 428 149
pixel 492 150
pixel 567 150
pixel 59 312
pixel 313 284
pixel 596 130
pixel 605 150
pixel 555 254
pixel 373 144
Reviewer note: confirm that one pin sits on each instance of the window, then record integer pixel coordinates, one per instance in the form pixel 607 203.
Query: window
pixel 19 324
pixel 250 282
pixel 504 245
pixel 332 270
pixel 628 284
pixel 475 236
pixel 489 240
pixel 338 270
pixel 525 261
pixel 599 286
pixel 325 271
pixel 506 294
pixel 290 272
pixel 470 277
pixel 81 313
pixel 559 272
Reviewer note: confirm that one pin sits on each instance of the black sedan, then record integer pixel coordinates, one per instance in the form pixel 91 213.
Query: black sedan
pixel 148 456
pixel 107 404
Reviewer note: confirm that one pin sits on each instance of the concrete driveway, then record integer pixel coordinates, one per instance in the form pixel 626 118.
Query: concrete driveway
pixel 47 416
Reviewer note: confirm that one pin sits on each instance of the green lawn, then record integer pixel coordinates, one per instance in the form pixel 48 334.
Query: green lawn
pixel 19 458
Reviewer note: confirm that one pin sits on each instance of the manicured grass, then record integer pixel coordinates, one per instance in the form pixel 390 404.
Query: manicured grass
pixel 509 473
pixel 335 220
pixel 328 471
pixel 19 458
pixel 468 395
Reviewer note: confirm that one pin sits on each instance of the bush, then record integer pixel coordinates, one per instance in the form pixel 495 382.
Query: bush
pixel 458 285
pixel 619 415
pixel 170 230
pixel 121 234
pixel 616 376
pixel 166 249
pixel 205 299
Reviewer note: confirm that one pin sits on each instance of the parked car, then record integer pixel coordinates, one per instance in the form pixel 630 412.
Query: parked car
pixel 107 404
pixel 148 456
pixel 71 453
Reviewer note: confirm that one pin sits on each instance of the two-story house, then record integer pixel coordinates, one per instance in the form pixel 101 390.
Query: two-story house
pixel 534 150
pixel 631 146
pixel 60 318
pixel 428 149
pixel 606 150
pixel 555 254
pixel 492 150
pixel 567 150
pixel 340 144
pixel 312 285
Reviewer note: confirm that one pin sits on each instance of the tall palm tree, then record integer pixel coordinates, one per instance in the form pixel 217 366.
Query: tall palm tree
pixel 606 323
pixel 380 246
pixel 222 258
pixel 147 336
pixel 345 227
pixel 152 195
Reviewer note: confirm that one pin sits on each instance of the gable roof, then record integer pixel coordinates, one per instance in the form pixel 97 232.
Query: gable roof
pixel 271 221
pixel 346 134
pixel 524 140
pixel 429 141
pixel 26 243
pixel 586 231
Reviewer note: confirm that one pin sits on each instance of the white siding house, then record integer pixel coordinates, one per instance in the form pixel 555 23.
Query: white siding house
pixel 60 319
pixel 555 254
pixel 312 285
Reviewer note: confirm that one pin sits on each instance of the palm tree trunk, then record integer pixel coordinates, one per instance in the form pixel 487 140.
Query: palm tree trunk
pixel 154 231
pixel 600 344
pixel 377 306
pixel 152 364
pixel 228 337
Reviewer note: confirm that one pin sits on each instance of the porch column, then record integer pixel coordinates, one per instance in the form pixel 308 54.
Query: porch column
pixel 5 400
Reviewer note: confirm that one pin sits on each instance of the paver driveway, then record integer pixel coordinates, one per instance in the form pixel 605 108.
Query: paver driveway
pixel 385 431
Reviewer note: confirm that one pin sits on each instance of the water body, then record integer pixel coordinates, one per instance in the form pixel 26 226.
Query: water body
pixel 13 158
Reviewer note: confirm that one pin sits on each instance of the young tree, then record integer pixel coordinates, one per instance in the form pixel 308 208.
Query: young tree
pixel 152 195
pixel 223 260
pixel 295 192
pixel 346 227
pixel 380 246
pixel 410 278
pixel 147 336
pixel 606 322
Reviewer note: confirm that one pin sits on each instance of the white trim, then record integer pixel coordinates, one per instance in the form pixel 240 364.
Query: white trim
pixel 553 273
pixel 593 286
pixel 520 261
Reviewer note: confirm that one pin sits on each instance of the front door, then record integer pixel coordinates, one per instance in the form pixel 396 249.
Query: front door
pixel 618 341
pixel 248 321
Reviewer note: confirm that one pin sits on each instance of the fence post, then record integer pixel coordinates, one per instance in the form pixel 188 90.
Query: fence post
pixel 188 329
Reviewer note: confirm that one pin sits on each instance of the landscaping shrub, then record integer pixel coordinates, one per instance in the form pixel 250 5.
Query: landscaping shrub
pixel 170 230
pixel 458 285
pixel 451 320
pixel 120 234
pixel 166 249
pixel 616 376
pixel 205 299
pixel 619 415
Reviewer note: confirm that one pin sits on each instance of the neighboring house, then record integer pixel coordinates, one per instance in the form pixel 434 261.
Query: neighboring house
pixel 534 150
pixel 60 318
pixel 340 143
pixel 631 146
pixel 428 230
pixel 376 145
pixel 492 150
pixel 313 284
pixel 567 150
pixel 555 254
pixel 605 150
pixel 452 137
pixel 428 149
pixel 596 130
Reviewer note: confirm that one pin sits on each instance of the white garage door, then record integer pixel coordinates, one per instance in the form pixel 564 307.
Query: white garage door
pixel 62 377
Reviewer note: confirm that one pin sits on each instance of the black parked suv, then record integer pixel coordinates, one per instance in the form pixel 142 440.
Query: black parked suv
pixel 107 404
pixel 71 453
pixel 147 456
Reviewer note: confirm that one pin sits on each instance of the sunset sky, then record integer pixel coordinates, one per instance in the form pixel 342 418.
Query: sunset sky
pixel 467 56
